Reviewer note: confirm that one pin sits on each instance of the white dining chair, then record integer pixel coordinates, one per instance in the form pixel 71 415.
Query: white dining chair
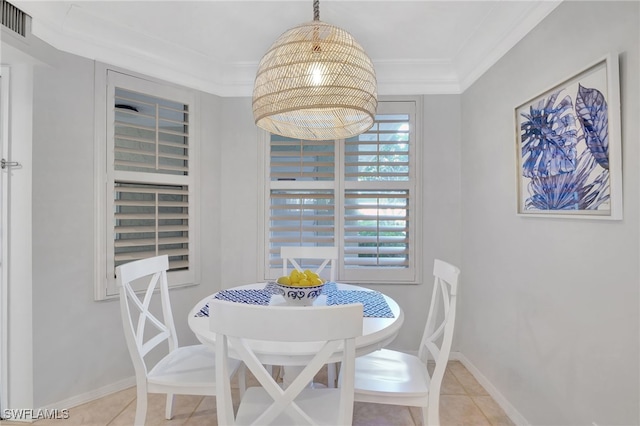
pixel 397 378
pixel 333 328
pixel 325 256
pixel 187 370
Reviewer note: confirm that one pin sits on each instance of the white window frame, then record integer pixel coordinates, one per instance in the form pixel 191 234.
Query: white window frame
pixel 106 79
pixel 411 275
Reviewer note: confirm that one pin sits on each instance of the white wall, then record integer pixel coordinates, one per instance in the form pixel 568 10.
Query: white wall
pixel 549 308
pixel 238 139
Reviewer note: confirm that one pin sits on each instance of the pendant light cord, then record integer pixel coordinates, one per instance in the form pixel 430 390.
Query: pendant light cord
pixel 316 10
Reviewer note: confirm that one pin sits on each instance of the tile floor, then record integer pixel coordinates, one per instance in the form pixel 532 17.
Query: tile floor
pixel 462 402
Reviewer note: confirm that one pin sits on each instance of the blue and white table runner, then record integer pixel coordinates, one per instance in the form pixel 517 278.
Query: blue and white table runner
pixel 374 304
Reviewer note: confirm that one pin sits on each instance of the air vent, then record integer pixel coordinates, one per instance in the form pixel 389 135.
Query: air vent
pixel 13 18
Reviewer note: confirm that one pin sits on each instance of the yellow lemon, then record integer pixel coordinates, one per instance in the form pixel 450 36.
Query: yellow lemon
pixel 284 280
pixel 315 281
pixel 311 274
pixel 304 283
pixel 294 279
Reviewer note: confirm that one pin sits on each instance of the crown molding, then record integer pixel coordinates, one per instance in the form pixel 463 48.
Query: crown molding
pixel 75 30
pixel 478 56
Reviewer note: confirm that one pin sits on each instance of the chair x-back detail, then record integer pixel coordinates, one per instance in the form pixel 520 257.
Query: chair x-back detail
pixel 333 328
pixel 327 256
pixel 186 370
pixel 397 378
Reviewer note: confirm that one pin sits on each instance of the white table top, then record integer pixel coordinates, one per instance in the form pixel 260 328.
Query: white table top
pixel 376 332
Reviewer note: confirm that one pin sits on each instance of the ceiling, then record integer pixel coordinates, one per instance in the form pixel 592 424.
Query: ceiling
pixel 417 47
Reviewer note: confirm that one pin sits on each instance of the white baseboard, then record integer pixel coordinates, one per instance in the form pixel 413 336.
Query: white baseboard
pixel 74 401
pixel 498 397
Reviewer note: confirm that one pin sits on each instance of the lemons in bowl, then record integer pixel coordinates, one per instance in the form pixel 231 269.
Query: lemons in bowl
pixel 300 288
pixel 306 278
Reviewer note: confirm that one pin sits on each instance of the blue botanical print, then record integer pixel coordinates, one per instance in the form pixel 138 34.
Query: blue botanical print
pixel 549 138
pixel 559 180
pixel 591 109
pixel 570 191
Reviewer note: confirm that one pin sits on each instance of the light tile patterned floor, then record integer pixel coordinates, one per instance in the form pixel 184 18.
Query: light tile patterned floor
pixel 462 402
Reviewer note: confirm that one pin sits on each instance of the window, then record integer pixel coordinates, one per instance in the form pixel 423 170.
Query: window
pixel 150 191
pixel 360 194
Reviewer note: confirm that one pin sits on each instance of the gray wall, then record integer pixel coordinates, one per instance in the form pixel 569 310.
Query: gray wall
pixel 549 307
pixel 78 344
pixel 75 339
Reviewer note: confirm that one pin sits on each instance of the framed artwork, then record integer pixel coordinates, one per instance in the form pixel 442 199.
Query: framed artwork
pixel 569 148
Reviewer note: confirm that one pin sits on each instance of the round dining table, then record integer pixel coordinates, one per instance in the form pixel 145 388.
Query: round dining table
pixel 377 331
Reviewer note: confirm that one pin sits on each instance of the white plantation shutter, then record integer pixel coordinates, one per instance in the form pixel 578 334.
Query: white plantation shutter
pixel 378 193
pixel 376 229
pixel 301 195
pixel 359 194
pixel 300 217
pixel 151 221
pixel 379 200
pixel 299 160
pixel 382 153
pixel 152 139
pixel 150 177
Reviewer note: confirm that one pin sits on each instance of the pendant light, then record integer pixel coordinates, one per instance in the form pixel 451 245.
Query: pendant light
pixel 316 83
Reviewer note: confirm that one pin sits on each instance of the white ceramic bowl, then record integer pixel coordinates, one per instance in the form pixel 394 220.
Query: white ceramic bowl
pixel 300 296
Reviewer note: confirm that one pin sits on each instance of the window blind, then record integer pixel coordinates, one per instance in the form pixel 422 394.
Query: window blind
pixel 151 220
pixel 381 153
pixel 299 160
pixel 151 186
pixel 151 134
pixel 377 195
pixel 151 141
pixel 359 194
pixel 300 217
pixel 376 227
pixel 146 178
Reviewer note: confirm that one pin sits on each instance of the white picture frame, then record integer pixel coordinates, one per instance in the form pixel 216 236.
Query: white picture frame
pixel 568 147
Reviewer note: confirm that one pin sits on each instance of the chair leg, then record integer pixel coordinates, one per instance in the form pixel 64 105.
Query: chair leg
pixel 431 415
pixel 141 406
pixel 168 412
pixel 331 375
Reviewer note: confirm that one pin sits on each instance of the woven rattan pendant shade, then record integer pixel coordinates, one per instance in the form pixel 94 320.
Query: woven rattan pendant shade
pixel 317 83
